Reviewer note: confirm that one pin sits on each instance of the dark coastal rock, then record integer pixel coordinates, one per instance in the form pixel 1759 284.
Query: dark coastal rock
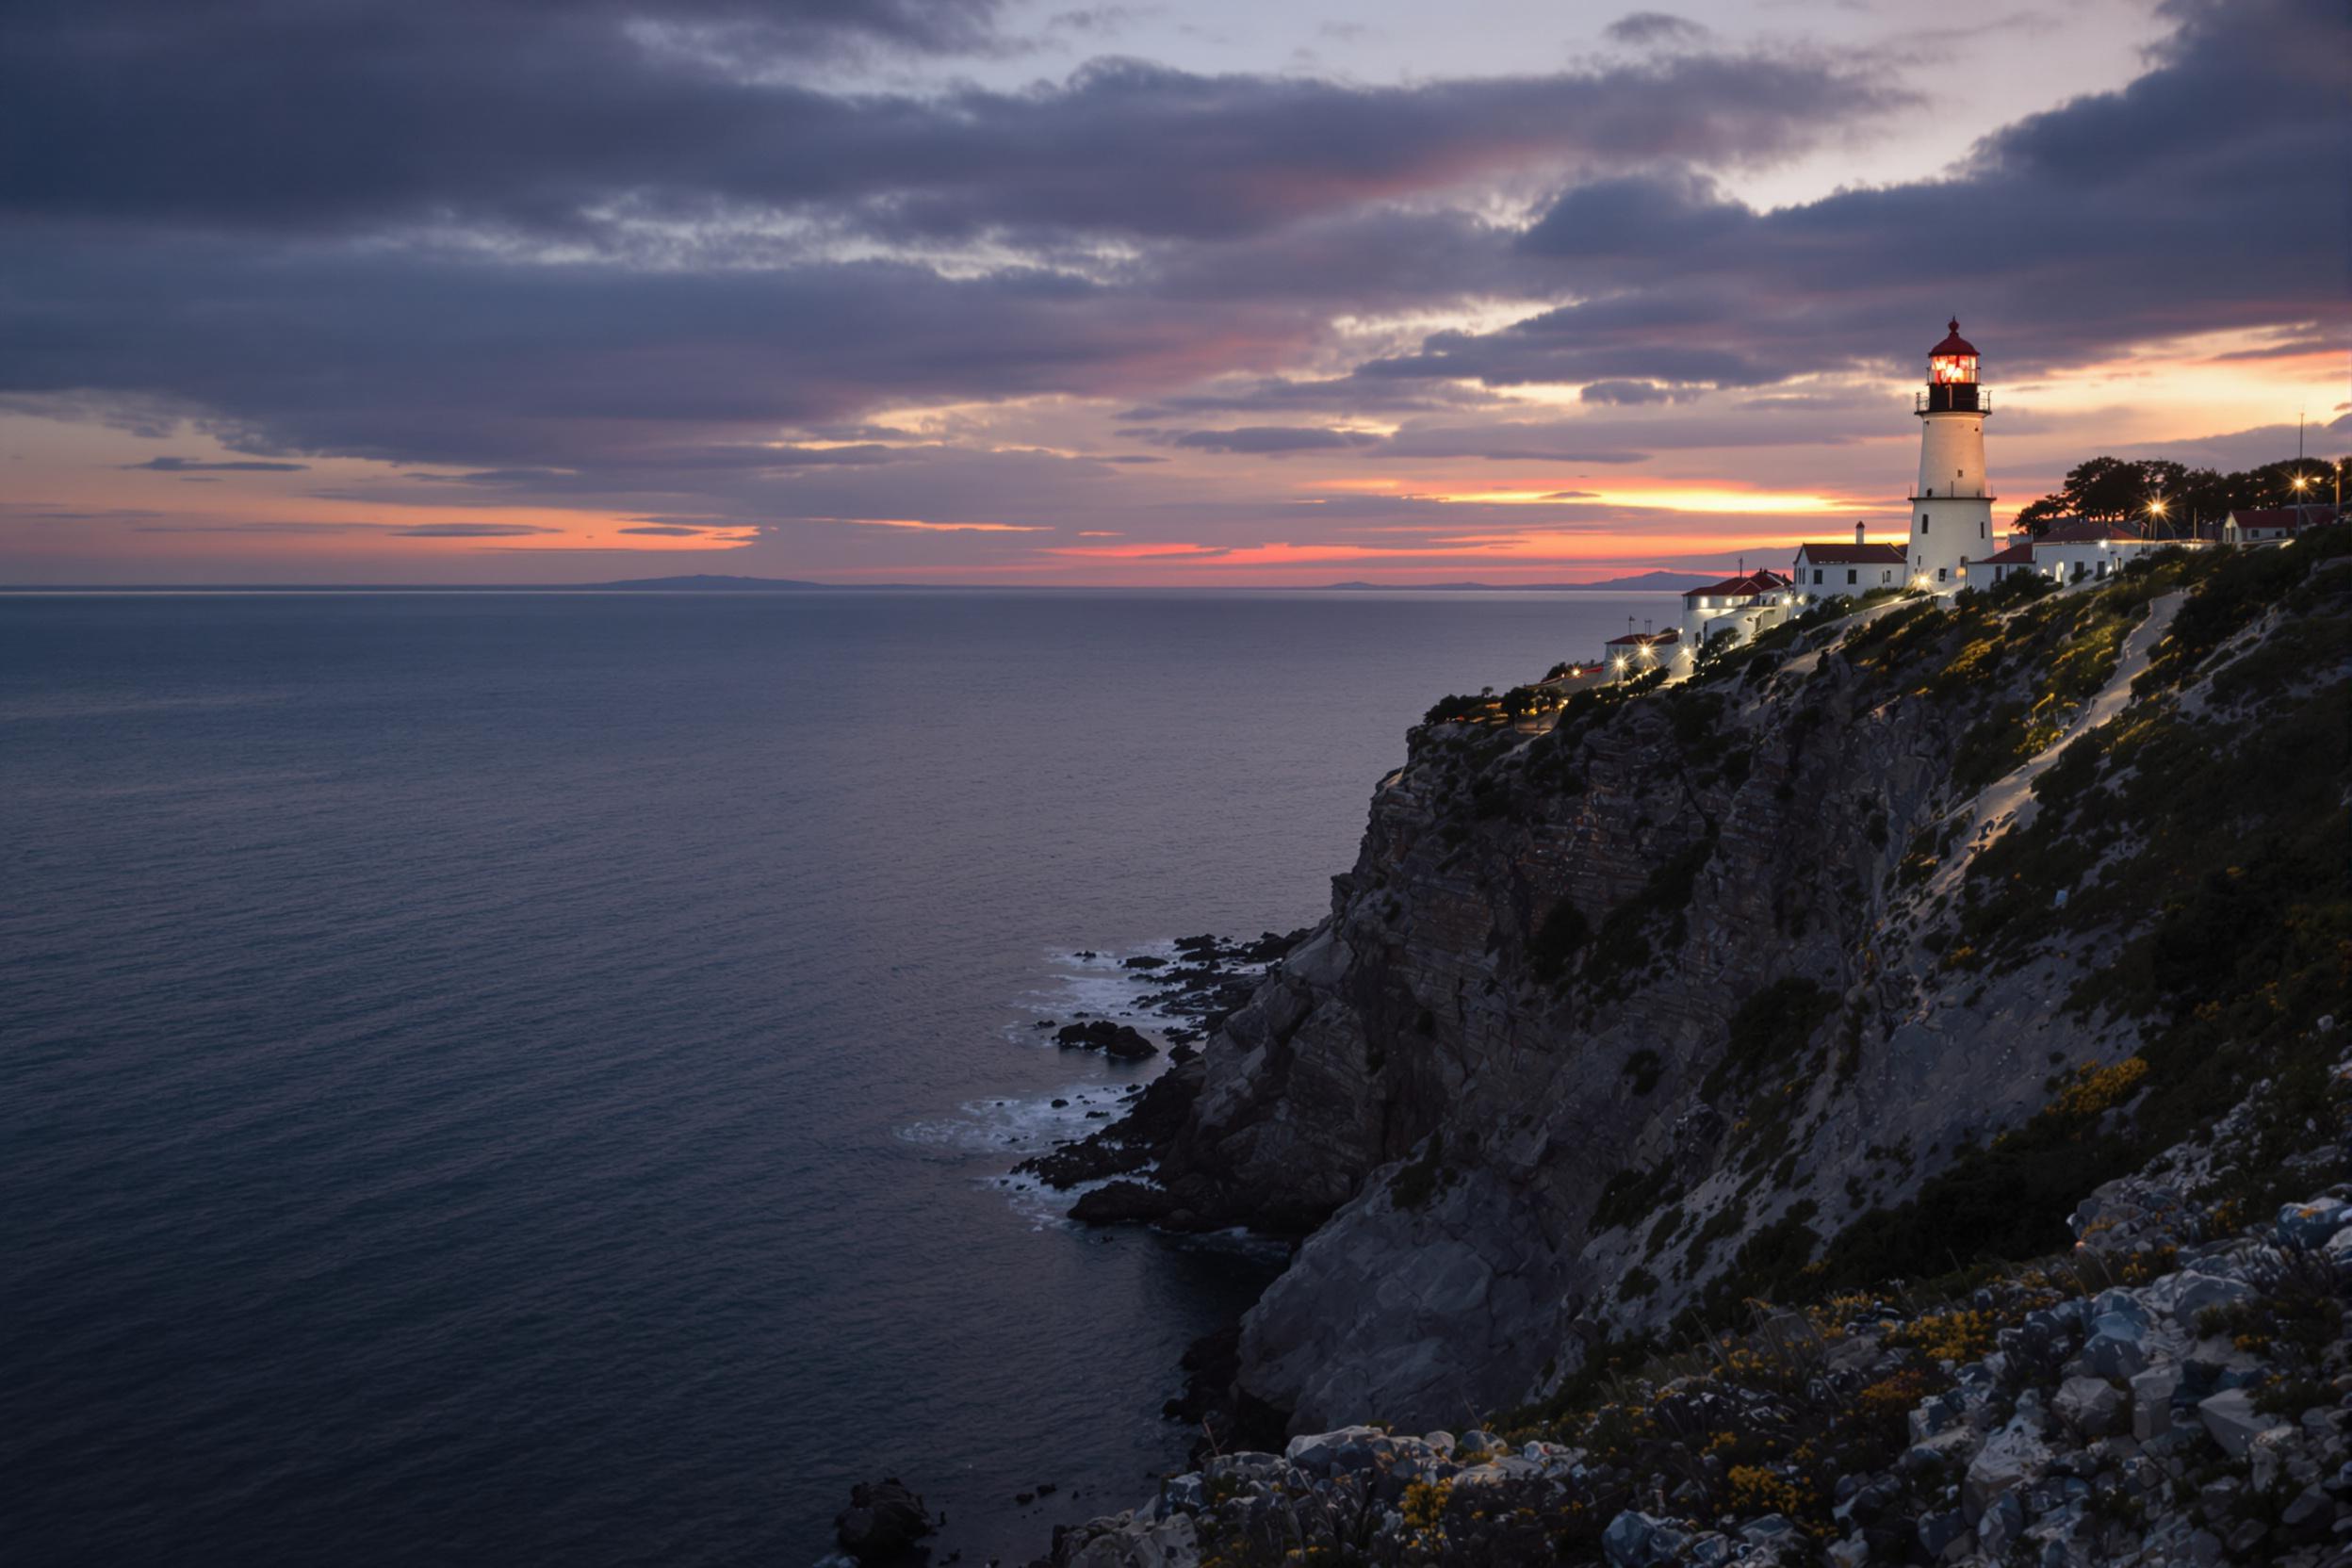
pixel 882 1519
pixel 1121 1203
pixel 1214 1404
pixel 1444 1079
pixel 1112 1040
pixel 1142 961
pixel 1154 1112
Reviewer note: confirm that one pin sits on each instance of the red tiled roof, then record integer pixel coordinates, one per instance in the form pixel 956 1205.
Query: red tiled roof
pixel 1753 582
pixel 1834 553
pixel 2288 517
pixel 1953 343
pixel 1644 638
pixel 2074 531
pixel 2020 554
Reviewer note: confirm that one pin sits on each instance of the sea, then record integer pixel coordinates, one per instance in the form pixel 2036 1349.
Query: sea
pixel 511 1078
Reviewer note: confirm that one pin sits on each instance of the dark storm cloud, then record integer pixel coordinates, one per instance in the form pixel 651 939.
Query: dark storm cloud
pixel 544 117
pixel 190 466
pixel 2190 202
pixel 212 210
pixel 1645 27
pixel 1262 439
pixel 459 361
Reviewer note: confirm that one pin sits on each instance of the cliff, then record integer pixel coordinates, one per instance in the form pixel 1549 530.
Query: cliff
pixel 1867 951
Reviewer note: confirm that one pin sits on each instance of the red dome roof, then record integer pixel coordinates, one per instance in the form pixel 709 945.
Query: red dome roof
pixel 1953 344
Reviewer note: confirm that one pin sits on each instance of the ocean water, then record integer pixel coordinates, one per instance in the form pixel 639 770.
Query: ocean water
pixel 512 1078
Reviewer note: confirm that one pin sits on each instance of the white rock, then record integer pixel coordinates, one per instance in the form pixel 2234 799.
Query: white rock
pixel 2151 1401
pixel 2091 1406
pixel 2193 1294
pixel 2234 1421
pixel 1171 1543
pixel 2270 1454
pixel 2014 1454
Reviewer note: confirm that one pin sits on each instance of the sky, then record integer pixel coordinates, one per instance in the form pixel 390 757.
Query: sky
pixel 989 292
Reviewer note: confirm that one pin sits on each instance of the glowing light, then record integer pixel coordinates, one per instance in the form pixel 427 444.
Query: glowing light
pixel 921 526
pixel 1708 499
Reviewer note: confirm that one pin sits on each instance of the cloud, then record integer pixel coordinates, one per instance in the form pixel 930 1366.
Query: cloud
pixel 1640 29
pixel 471 530
pixel 922 526
pixel 658 269
pixel 567 122
pixel 1622 392
pixel 666 531
pixel 2115 222
pixel 1267 440
pixel 192 466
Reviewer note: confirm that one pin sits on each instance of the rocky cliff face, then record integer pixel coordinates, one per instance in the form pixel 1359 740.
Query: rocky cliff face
pixel 1868 949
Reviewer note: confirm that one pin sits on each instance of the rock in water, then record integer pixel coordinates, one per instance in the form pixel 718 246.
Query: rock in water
pixel 1113 1040
pixel 881 1519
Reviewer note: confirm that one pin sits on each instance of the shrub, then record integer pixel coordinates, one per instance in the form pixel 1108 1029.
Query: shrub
pixel 1560 937
pixel 1768 1031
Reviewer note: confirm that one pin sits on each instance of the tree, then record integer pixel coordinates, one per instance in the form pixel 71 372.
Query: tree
pixel 2114 489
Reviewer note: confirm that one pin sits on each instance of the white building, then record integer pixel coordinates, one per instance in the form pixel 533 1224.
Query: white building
pixel 2016 558
pixel 2071 550
pixel 2272 525
pixel 1639 652
pixel 1951 509
pixel 1738 607
pixel 1827 571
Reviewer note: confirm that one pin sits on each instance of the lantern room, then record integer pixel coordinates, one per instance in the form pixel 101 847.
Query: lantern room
pixel 1952 374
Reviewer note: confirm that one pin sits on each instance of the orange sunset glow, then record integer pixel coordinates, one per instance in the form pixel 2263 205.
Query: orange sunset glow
pixel 1463 344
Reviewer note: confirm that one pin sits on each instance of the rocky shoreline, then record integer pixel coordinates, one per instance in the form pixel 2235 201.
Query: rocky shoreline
pixel 2175 1391
pixel 1668 1086
pixel 1209 979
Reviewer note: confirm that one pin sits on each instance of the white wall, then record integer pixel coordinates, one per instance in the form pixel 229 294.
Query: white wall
pixel 1834 579
pixel 2096 561
pixel 1952 510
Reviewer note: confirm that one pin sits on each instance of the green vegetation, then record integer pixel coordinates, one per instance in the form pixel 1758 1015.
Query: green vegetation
pixel 1633 1195
pixel 1420 1180
pixel 1632 934
pixel 1562 932
pixel 1768 1032
pixel 2108 489
pixel 1644 1067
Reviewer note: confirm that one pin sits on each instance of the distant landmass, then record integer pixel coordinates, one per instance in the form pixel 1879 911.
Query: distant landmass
pixel 709 582
pixel 1662 583
pixel 717 582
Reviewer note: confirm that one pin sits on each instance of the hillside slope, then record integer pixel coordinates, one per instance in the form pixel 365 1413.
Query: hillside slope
pixel 1868 951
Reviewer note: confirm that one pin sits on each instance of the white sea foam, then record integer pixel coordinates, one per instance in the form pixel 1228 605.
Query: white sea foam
pixel 1074 985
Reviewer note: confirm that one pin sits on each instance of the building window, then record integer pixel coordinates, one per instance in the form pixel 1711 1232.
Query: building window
pixel 1980 530
pixel 1816 577
pixel 1922 522
pixel 1852 576
pixel 1942 573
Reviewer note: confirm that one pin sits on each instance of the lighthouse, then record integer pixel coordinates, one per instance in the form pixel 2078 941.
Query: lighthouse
pixel 1952 507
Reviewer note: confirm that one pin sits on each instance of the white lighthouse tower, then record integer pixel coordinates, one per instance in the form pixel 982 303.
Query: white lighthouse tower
pixel 1951 509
